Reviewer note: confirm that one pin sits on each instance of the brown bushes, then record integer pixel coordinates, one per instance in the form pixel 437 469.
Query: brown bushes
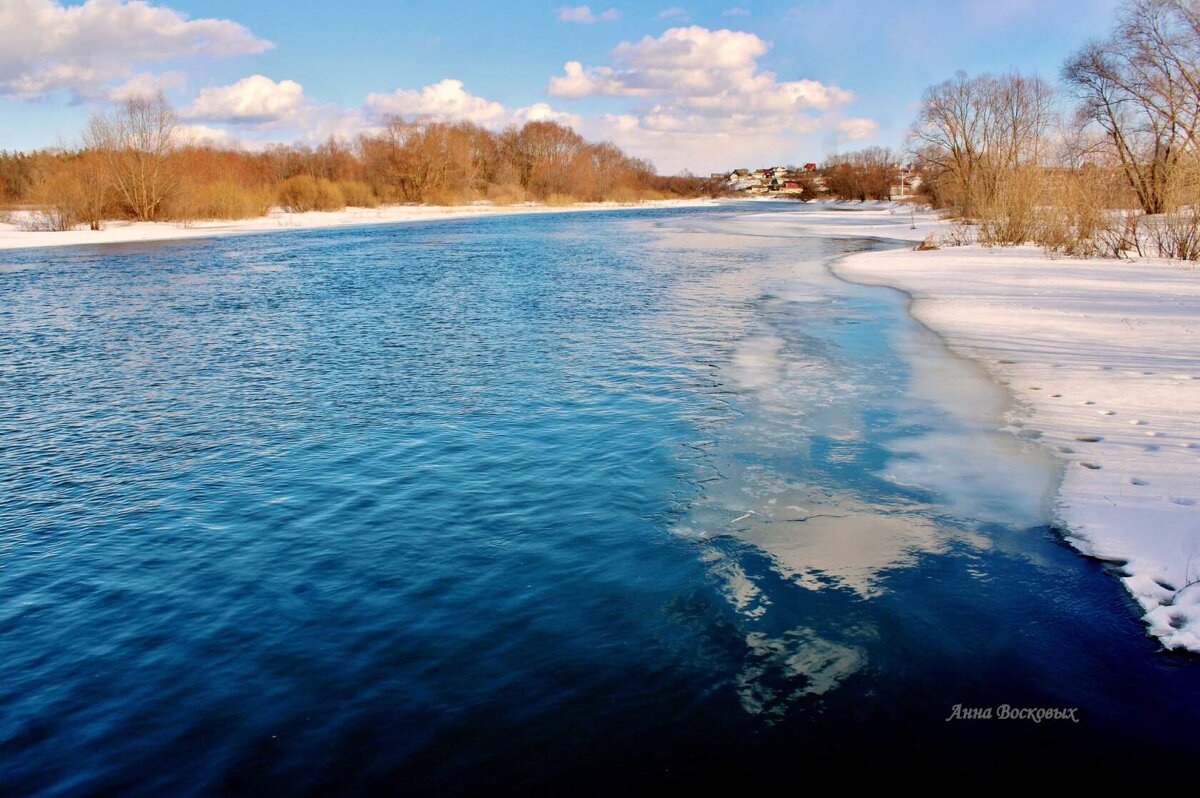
pixel 1122 177
pixel 303 193
pixel 137 169
pixel 357 194
pixel 506 194
pixel 867 174
pixel 222 199
pixel 74 192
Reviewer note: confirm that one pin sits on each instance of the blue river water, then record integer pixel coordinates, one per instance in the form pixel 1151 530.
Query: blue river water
pixel 560 502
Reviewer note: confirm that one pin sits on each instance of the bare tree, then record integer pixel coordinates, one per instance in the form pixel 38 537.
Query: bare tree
pixel 1141 87
pixel 866 174
pixel 136 141
pixel 971 134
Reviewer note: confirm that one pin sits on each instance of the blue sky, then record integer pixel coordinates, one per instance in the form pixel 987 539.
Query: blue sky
pixel 704 85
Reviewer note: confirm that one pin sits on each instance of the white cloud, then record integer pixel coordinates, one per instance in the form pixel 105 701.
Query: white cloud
pixel 541 112
pixel 256 100
pixel 674 12
pixel 256 112
pixel 445 100
pixel 736 11
pixel 203 135
pixel 449 101
pixel 857 129
pixel 147 83
pixel 578 82
pixel 48 46
pixel 703 101
pixel 711 72
pixel 583 15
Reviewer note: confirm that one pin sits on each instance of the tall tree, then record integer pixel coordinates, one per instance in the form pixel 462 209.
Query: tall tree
pixel 1141 87
pixel 136 141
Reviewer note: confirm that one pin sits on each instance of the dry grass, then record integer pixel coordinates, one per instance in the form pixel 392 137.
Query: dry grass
pixel 358 194
pixel 303 193
pixel 625 195
pixel 507 194
pixel 222 199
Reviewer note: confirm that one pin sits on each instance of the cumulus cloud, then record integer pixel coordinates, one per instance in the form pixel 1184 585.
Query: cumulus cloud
pixel 256 100
pixel 701 94
pixel 257 111
pixel 582 15
pixel 712 72
pixel 147 83
pixel 204 135
pixel 449 101
pixel 857 129
pixel 541 112
pixel 445 100
pixel 83 49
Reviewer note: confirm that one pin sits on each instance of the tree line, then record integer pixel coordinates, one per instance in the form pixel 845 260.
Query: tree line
pixel 132 165
pixel 1106 163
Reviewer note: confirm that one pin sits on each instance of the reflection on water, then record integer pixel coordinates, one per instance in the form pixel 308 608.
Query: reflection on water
pixel 857 446
pixel 781 670
pixel 842 465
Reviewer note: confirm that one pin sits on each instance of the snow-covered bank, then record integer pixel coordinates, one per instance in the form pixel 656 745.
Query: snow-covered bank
pixel 12 236
pixel 1102 357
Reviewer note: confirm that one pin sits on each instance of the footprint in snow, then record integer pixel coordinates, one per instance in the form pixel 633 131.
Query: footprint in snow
pixel 1088 438
pixel 1107 412
pixel 1137 422
pixel 1091 466
pixel 1138 481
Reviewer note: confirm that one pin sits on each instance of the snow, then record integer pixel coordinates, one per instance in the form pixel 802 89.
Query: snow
pixel 1102 359
pixel 12 236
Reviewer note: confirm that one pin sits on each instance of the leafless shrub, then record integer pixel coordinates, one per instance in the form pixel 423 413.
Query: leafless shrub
pixel 1141 89
pixel 972 134
pixel 867 174
pixel 927 244
pixel 74 192
pixel 329 196
pixel 222 199
pixel 506 193
pixel 1176 235
pixel 136 142
pixel 358 194
pixel 625 195
pixel 958 234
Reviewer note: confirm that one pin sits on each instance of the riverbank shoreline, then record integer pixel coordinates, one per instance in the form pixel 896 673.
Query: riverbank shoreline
pixel 1098 358
pixel 120 232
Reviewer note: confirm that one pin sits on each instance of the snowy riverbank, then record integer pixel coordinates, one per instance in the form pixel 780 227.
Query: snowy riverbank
pixel 12 236
pixel 1102 359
